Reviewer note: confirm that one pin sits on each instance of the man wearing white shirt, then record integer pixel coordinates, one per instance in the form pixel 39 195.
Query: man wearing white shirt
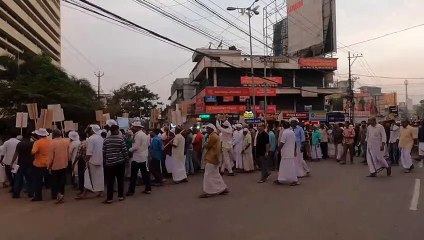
pixel 140 152
pixel 227 146
pixel 393 144
pixel 376 141
pixel 9 148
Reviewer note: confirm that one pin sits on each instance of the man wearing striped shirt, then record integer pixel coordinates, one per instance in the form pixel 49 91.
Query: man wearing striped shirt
pixel 114 155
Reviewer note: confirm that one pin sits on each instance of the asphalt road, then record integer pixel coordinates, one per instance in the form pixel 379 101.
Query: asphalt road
pixel 337 202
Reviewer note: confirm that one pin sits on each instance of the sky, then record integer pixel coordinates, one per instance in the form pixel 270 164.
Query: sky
pixel 90 44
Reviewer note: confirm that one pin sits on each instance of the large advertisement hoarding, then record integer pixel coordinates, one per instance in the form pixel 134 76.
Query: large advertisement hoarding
pixel 305 25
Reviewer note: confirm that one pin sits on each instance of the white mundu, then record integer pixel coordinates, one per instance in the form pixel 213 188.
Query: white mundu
pixel 287 171
pixel 376 137
pixel 227 146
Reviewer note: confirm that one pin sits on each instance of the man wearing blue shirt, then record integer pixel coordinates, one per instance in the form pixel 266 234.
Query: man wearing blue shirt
pixel 301 166
pixel 156 156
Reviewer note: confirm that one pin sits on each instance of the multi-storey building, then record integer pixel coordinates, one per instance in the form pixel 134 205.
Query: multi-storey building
pixel 30 27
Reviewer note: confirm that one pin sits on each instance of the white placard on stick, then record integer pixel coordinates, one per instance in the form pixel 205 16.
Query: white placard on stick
pixel 69 126
pixel 57 112
pixel 21 120
pixel 32 111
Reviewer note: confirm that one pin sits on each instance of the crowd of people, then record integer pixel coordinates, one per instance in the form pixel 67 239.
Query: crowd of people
pixel 100 159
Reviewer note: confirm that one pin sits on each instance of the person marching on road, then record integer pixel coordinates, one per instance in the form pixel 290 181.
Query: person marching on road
pixel 247 155
pixel 376 142
pixel 213 184
pixel 301 166
pixel 179 174
pixel 287 173
pixel 238 146
pixel 262 152
pixel 406 142
pixel 58 163
pixel 227 146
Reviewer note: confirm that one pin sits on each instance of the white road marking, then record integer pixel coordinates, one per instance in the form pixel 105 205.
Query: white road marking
pixel 415 196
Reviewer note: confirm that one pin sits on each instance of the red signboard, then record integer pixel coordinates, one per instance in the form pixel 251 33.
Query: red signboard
pixel 237 109
pixel 318 63
pixel 247 81
pixel 298 115
pixel 236 91
pixel 244 98
pixel 228 99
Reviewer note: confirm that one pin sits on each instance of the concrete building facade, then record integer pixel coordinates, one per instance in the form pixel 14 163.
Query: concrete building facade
pixel 30 27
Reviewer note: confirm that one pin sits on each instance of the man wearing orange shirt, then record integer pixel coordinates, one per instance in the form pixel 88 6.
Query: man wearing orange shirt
pixel 40 149
pixel 58 162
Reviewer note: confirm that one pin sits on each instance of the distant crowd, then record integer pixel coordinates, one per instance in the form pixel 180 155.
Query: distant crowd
pixel 99 160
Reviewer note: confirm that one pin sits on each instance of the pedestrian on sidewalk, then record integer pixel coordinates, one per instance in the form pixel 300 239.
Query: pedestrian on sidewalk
pixel 263 152
pixel 406 142
pixel 213 184
pixel 287 173
pixel 376 142
pixel 115 155
pixel 140 153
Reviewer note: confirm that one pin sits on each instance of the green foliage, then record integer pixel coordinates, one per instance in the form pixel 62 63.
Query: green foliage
pixel 420 110
pixel 38 80
pixel 132 99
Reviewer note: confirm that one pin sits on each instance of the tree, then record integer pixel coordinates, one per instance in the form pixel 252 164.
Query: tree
pixel 420 110
pixel 132 99
pixel 37 79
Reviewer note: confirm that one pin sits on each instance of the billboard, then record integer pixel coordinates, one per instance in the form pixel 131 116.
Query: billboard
pixel 247 81
pixel 237 109
pixel 318 63
pixel 311 28
pixel 237 91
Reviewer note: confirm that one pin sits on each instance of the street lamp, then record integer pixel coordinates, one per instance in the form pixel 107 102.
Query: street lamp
pixel 250 11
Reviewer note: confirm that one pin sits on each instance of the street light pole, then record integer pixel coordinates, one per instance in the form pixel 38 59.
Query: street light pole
pixel 252 71
pixel 250 12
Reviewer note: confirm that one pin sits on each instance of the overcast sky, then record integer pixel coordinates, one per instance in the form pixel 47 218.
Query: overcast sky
pixel 90 44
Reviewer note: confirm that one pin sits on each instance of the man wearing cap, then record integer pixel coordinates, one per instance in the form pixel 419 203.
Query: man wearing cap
pixel 109 124
pixel 94 175
pixel 247 155
pixel 179 174
pixel 238 146
pixel 58 163
pixel 301 166
pixel 376 142
pixel 9 148
pixel 213 184
pixel 287 173
pixel 140 152
pixel 40 149
pixel 227 146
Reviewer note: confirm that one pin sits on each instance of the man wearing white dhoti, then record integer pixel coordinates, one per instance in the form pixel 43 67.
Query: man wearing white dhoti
pixel 301 166
pixel 167 137
pixel 406 142
pixel 179 174
pixel 227 146
pixel 93 175
pixel 213 184
pixel 247 154
pixel 238 146
pixel 287 173
pixel 376 142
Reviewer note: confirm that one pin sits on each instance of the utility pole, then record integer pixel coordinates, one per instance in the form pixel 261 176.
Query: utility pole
pixel 406 100
pixel 351 96
pixel 98 75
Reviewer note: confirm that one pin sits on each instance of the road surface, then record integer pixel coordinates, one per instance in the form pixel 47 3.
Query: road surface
pixel 337 202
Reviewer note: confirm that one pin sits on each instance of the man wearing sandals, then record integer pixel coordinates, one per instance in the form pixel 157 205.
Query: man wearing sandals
pixel 213 184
